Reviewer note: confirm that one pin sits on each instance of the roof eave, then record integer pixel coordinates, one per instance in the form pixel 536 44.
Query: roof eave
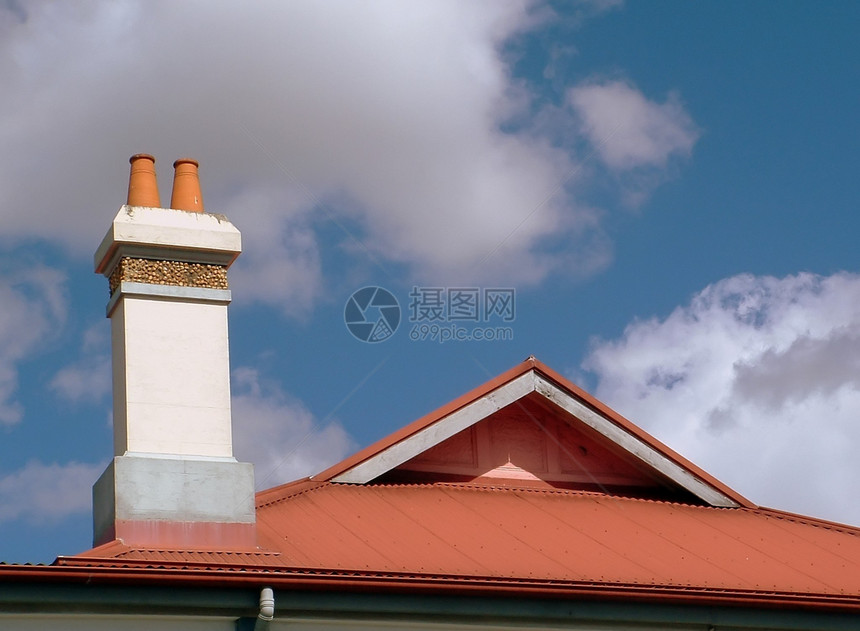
pixel 416 585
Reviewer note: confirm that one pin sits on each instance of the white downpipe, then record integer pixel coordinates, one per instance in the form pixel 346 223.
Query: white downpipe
pixel 267 608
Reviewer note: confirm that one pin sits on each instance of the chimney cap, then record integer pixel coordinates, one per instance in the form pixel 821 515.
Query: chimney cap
pixel 168 234
pixel 139 156
pixel 176 163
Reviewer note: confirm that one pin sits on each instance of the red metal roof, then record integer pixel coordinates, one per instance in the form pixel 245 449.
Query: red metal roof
pixel 506 535
pixel 550 541
pixel 557 536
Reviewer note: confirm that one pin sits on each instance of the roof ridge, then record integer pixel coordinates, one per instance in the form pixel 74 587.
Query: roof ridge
pixel 318 485
pixel 281 493
pixel 154 550
pixel 815 522
pixel 470 486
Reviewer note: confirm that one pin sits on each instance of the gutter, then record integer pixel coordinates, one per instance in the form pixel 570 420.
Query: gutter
pixel 417 585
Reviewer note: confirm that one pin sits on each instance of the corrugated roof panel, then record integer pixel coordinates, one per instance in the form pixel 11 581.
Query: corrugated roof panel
pixel 698 548
pixel 377 533
pixel 804 550
pixel 314 526
pixel 443 525
pixel 507 536
pixel 637 555
pixel 547 543
pixel 561 536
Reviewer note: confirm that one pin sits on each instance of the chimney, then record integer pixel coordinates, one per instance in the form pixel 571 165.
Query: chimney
pixel 173 480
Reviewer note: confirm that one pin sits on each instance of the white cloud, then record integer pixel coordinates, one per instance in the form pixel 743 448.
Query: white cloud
pixel 757 380
pixel 32 309
pixel 629 131
pixel 387 114
pixel 40 493
pixel 279 435
pixel 88 378
pixel 282 266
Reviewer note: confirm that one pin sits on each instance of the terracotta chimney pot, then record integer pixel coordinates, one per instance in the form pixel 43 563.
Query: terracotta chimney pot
pixel 186 186
pixel 142 182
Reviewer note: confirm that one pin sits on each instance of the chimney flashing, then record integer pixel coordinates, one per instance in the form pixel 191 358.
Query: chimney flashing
pixel 148 498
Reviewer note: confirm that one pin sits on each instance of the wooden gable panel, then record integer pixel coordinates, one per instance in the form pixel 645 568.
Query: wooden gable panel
pixel 530 442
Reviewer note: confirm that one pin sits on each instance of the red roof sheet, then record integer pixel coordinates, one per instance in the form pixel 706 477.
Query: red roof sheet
pixel 558 536
pixel 513 537
pixel 462 536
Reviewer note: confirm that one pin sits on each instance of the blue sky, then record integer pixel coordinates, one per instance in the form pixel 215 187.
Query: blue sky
pixel 670 188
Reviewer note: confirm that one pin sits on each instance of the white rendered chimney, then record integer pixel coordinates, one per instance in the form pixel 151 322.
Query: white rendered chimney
pixel 173 480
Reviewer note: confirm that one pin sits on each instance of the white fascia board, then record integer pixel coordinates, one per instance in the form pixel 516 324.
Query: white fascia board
pixel 441 430
pixel 633 445
pixel 168 233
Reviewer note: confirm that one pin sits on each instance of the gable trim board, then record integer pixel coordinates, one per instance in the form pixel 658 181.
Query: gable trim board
pixel 532 377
